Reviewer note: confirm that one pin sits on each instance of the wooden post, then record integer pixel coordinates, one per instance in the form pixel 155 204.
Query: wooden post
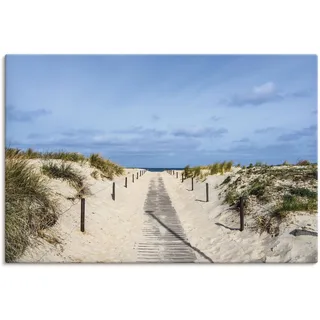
pixel 114 191
pixel 207 192
pixel 241 214
pixel 132 177
pixel 83 200
pixel 192 184
pixel 126 182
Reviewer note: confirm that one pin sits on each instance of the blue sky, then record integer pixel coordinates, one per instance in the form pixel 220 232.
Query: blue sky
pixel 165 110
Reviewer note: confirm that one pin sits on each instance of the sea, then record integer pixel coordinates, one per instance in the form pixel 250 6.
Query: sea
pixel 161 169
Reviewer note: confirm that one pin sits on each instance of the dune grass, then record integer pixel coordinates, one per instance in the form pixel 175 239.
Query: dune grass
pixel 64 172
pixel 215 168
pixel 31 154
pixel 108 168
pixel 95 174
pixel 29 206
pixel 291 203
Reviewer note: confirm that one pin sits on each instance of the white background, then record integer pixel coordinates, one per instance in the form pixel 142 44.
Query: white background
pixel 170 291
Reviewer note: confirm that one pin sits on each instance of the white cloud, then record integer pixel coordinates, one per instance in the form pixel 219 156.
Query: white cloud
pixel 267 88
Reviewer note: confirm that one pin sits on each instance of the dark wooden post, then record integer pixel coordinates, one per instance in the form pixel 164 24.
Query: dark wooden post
pixel 126 182
pixel 114 191
pixel 241 214
pixel 207 192
pixel 192 184
pixel 132 177
pixel 83 200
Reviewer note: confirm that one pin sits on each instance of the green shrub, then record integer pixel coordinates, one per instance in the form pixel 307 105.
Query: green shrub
pixel 257 189
pixel 292 203
pixel 304 192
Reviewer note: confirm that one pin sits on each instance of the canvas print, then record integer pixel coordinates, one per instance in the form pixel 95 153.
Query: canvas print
pixel 161 159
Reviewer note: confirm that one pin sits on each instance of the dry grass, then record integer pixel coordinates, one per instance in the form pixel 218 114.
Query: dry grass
pixel 63 171
pixel 29 206
pixel 95 174
pixel 31 154
pixel 107 168
pixel 215 168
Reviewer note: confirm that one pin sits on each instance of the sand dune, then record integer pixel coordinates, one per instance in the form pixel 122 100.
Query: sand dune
pixel 115 229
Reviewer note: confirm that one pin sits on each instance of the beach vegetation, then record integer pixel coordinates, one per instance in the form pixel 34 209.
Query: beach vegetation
pixel 30 206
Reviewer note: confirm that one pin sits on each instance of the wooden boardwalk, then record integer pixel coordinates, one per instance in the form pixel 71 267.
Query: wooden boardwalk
pixel 164 238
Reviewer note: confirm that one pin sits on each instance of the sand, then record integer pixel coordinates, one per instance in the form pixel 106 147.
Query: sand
pixel 114 229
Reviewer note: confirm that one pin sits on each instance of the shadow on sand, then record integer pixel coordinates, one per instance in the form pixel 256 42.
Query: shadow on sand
pixel 222 225
pixel 178 237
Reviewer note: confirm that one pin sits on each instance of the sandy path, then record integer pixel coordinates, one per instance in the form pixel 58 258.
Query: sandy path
pixel 164 238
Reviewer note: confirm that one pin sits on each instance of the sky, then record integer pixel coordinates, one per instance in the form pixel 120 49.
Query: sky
pixel 165 110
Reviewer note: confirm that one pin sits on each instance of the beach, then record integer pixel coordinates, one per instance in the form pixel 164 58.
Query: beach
pixel 158 218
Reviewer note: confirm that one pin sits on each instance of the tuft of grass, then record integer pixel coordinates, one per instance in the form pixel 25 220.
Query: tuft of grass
pixel 11 153
pixel 257 189
pixel 95 174
pixel 196 171
pixel 187 172
pixel 64 172
pixel 304 192
pixel 29 206
pixel 231 197
pixel 292 203
pixel 214 168
pixel 108 168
